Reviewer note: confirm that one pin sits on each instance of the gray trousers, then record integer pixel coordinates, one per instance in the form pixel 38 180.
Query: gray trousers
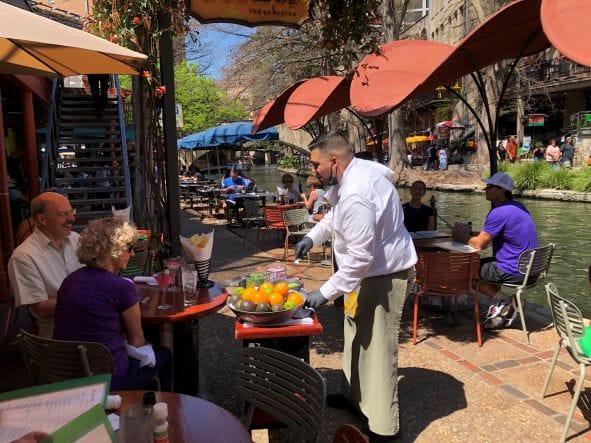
pixel 370 355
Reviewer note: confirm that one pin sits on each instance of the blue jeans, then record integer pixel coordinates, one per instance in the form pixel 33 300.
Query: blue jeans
pixel 137 378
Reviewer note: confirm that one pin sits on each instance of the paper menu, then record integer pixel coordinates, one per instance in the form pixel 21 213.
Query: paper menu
pixel 49 407
pixel 93 426
pixel 456 247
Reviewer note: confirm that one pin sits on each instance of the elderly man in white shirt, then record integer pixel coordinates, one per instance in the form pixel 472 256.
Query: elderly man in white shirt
pixel 38 266
pixel 375 256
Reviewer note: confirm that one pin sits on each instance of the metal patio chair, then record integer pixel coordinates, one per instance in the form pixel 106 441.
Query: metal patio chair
pixel 570 326
pixel 282 386
pixel 296 224
pixel 533 262
pixel 49 361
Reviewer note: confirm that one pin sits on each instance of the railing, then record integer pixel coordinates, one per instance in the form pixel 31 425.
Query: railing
pixel 126 175
pixel 51 141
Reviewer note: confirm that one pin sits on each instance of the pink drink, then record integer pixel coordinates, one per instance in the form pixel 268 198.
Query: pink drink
pixel 172 264
pixel 164 280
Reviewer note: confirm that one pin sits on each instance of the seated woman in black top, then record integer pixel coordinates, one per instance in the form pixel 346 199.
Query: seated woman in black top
pixel 417 216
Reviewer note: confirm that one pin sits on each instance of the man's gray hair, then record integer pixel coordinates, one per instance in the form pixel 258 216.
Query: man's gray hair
pixel 39 204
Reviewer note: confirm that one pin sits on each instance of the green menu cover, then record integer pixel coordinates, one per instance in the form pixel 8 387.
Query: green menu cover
pixel 93 426
pixel 49 407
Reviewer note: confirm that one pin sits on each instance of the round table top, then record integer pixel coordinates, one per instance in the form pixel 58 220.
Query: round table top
pixel 192 419
pixel 208 301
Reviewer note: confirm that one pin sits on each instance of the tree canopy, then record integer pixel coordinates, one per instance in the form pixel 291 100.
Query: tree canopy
pixel 204 104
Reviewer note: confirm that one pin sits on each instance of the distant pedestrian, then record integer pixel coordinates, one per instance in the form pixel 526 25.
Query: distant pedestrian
pixel 501 151
pixel 538 153
pixel 511 149
pixel 567 153
pixel 442 156
pixel 552 154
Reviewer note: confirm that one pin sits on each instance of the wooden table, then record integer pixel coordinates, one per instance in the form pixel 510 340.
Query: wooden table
pixel 179 327
pixel 294 339
pixel 192 419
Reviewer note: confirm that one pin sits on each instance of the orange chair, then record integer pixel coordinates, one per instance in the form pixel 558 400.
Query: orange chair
pixel 273 216
pixel 447 274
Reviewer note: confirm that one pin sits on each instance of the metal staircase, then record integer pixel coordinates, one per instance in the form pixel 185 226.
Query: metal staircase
pixel 86 154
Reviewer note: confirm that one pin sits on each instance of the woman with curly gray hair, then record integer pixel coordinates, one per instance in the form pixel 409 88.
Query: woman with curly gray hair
pixel 96 304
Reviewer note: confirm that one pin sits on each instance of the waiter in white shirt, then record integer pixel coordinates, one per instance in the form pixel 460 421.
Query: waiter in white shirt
pixel 375 256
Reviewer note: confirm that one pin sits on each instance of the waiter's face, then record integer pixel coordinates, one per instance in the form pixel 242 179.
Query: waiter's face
pixel 323 165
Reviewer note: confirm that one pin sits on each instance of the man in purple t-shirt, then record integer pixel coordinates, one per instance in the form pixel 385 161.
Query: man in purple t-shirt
pixel 510 229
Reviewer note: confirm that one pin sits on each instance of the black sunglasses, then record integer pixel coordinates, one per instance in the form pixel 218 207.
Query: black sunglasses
pixel 130 247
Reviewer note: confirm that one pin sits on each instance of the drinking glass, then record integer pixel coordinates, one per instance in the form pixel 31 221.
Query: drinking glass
pixel 164 280
pixel 136 425
pixel 173 265
pixel 189 287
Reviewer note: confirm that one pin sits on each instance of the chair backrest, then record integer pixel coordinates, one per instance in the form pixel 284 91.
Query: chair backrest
pixel 283 386
pixel 568 320
pixel 446 273
pixel 137 264
pixel 48 361
pixel 273 216
pixel 252 209
pixel 349 434
pixel 295 218
pixel 535 261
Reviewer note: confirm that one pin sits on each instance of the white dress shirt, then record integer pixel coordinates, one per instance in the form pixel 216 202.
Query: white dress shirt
pixel 369 234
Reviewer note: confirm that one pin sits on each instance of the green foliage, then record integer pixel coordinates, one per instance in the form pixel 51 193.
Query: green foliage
pixel 561 179
pixel 290 161
pixel 530 175
pixel 581 181
pixel 204 104
pixel 539 175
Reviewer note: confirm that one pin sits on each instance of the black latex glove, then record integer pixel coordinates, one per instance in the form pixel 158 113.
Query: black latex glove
pixel 315 299
pixel 303 247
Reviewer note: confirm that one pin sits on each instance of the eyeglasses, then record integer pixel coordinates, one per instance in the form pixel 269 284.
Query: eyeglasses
pixel 69 213
pixel 130 247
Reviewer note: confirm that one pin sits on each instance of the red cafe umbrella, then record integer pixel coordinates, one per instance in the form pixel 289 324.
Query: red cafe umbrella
pixel 450 125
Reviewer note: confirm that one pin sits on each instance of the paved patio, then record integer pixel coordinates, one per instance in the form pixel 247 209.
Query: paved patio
pixel 450 390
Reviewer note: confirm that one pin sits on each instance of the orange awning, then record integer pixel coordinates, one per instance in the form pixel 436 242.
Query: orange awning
pixel 513 31
pixel 566 24
pixel 384 80
pixel 315 98
pixel 272 113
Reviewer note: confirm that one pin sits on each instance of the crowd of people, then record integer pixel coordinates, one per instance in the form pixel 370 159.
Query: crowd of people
pixel 555 156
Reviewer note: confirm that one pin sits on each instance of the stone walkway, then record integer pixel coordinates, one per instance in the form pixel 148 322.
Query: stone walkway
pixel 450 390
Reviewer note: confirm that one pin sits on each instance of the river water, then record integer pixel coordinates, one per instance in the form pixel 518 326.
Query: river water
pixel 563 223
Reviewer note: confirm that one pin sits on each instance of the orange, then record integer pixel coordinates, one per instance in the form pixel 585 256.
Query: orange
pixel 249 293
pixel 259 297
pixel 275 298
pixel 296 298
pixel 264 287
pixel 282 288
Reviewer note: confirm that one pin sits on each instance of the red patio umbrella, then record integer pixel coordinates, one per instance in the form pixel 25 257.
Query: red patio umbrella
pixel 272 113
pixel 450 125
pixel 316 98
pixel 566 24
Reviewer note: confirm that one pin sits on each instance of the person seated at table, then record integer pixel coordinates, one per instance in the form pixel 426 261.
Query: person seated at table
pixel 417 216
pixel 232 184
pixel 315 200
pixel 511 230
pixel 44 259
pixel 95 304
pixel 248 182
pixel 288 192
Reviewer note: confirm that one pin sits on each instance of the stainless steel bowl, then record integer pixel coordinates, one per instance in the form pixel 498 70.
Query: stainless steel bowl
pixel 268 318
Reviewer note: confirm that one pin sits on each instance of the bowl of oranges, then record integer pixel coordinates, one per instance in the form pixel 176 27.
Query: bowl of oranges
pixel 268 304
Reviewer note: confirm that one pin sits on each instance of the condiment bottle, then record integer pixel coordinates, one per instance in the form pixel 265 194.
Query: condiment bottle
pixel 160 414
